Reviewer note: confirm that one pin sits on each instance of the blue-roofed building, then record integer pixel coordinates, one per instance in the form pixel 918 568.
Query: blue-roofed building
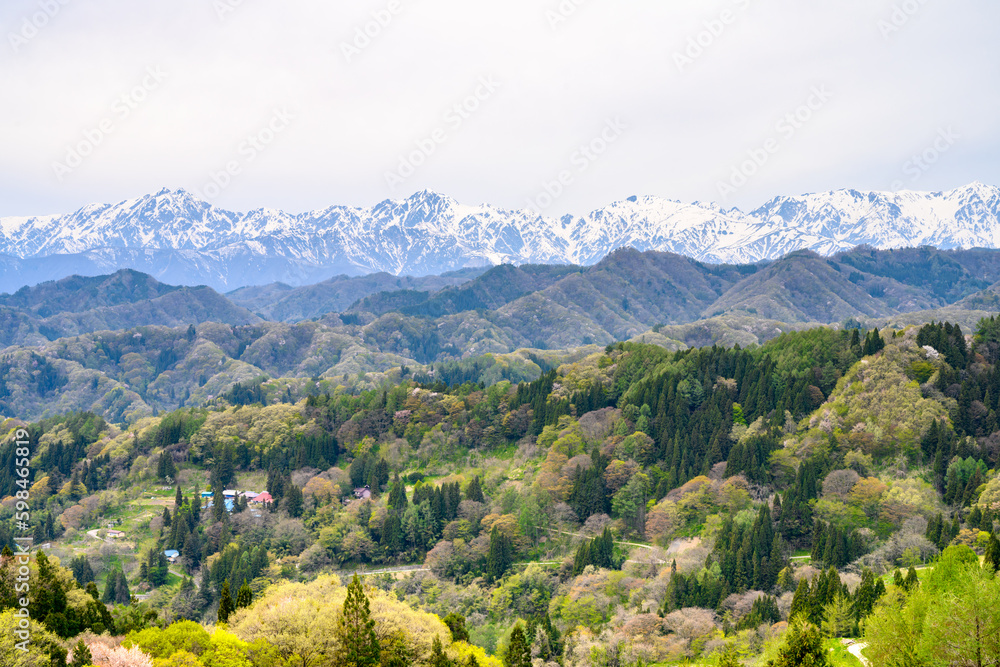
pixel 172 554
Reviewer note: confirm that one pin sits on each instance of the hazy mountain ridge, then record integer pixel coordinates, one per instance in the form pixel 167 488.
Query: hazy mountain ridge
pixel 178 238
pixel 121 344
pixel 282 302
pixel 123 300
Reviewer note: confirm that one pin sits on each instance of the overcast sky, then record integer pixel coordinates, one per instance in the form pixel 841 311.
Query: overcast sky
pixel 261 103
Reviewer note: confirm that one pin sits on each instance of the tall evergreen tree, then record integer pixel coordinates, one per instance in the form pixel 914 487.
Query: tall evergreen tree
pixel 81 655
pixel 474 491
pixel 456 624
pixel 500 555
pixel 803 647
pixel 226 606
pixel 993 553
pixel 205 589
pixel 518 650
pixel 801 601
pixel 357 644
pixel 57 656
pixel 244 596
pixel 293 501
pixel 438 657
pixel 397 495
pixel 730 657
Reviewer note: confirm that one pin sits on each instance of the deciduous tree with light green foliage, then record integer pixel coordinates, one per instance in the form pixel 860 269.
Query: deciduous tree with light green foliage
pixel 37 654
pixel 729 657
pixel 838 617
pixel 951 620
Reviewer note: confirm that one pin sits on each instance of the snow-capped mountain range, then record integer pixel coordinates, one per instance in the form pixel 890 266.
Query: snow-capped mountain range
pixel 181 239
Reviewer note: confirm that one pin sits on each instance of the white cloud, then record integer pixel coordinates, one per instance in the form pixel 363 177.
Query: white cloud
pixel 687 127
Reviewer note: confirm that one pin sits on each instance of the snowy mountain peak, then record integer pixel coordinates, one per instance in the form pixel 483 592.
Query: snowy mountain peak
pixel 429 232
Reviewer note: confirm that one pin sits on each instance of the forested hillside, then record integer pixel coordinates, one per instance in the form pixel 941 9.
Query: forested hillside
pixel 125 346
pixel 611 507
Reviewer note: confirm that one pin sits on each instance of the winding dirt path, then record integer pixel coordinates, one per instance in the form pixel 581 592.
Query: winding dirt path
pixel 855 650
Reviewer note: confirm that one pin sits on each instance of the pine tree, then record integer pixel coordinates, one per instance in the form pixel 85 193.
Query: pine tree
pixel 474 491
pixel 582 558
pixel 116 588
pixel 801 601
pixel 986 523
pixel 57 656
pixel 803 647
pixel 191 550
pixel 392 534
pixel 226 606
pixel 993 553
pixel 911 580
pixel 929 442
pixel 837 617
pixel 518 651
pixel 951 492
pixel 438 658
pixel 456 624
pixel 218 502
pixel 244 596
pixel 81 655
pixel 604 550
pixel 205 589
pixel 867 594
pixel 499 557
pixel 397 495
pixel 91 590
pixel 729 656
pixel 293 501
pixel 357 644
pixel 166 469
